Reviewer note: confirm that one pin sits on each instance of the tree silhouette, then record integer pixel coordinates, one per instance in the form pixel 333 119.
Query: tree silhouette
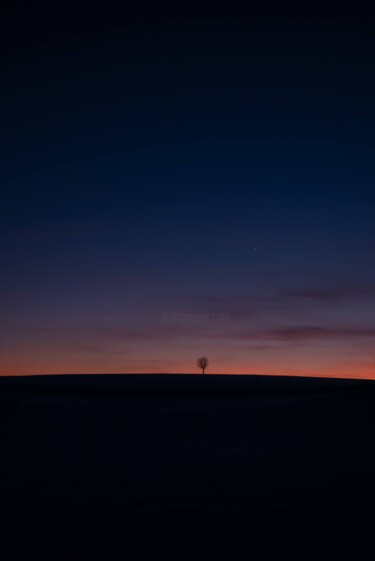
pixel 202 363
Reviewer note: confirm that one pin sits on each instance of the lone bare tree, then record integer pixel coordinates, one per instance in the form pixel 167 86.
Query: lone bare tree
pixel 202 363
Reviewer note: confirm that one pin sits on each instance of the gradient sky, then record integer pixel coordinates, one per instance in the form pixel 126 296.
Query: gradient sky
pixel 179 181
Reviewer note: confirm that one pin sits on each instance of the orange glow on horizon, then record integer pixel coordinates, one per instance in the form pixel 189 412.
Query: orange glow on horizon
pixel 29 368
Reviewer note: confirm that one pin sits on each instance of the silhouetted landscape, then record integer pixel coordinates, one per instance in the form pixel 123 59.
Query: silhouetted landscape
pixel 187 237
pixel 184 467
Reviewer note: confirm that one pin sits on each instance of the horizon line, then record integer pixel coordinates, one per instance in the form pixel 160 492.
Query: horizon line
pixel 193 374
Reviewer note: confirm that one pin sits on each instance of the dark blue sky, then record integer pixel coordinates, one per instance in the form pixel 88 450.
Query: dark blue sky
pixel 186 180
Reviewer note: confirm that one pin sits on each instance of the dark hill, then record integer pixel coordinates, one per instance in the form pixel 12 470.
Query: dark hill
pixel 182 467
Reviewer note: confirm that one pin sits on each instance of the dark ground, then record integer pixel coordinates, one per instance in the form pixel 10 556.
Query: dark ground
pixel 186 467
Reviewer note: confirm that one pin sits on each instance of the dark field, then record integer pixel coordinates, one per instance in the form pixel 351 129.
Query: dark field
pixel 186 467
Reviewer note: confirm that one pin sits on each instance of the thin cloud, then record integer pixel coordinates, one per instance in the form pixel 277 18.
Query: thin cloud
pixel 332 294
pixel 295 334
pixel 311 332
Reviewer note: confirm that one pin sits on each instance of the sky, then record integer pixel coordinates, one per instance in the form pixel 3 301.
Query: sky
pixel 180 180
